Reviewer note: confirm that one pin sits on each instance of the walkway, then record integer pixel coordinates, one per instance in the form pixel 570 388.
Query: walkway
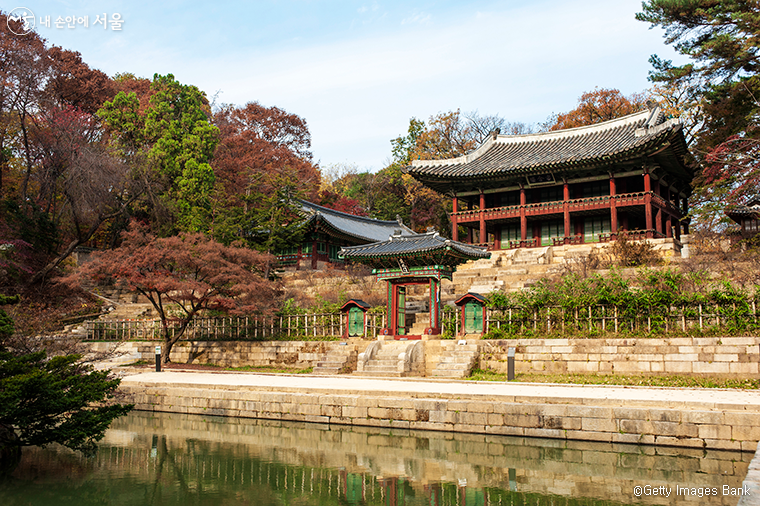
pixel 745 400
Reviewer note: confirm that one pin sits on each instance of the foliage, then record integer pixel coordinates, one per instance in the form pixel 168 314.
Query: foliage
pixel 262 163
pixel 7 327
pixel 170 144
pixel 55 400
pixel 721 79
pixel 629 253
pixel 190 271
pixel 597 106
pixel 573 304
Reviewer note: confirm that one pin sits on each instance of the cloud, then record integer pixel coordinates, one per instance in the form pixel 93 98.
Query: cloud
pixel 419 18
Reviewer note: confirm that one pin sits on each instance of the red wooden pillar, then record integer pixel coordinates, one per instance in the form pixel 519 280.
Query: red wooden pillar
pixel 454 225
pixel 483 237
pixel 566 209
pixel 314 255
pixel 668 225
pixel 648 201
pixel 523 217
pixel 613 205
pixel 469 229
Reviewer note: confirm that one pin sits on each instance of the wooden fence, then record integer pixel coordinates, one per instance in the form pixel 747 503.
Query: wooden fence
pixel 503 321
pixel 234 328
pixel 616 319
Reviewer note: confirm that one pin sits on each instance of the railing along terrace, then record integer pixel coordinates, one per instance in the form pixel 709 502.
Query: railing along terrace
pixel 233 328
pixel 557 206
pixel 516 321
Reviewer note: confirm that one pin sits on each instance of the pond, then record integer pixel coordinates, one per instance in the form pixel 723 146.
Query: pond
pixel 170 459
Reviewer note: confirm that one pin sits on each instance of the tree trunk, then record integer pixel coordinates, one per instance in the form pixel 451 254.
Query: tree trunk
pixel 10 451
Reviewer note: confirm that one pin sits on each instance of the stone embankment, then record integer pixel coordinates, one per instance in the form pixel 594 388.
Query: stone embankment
pixel 726 357
pixel 697 418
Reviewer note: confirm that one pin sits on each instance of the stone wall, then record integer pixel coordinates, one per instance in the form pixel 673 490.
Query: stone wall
pixel 704 421
pixel 286 354
pixel 727 357
pixel 737 357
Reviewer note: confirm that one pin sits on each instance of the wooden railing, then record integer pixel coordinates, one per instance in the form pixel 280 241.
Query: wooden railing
pixel 233 328
pixel 557 206
pixel 617 319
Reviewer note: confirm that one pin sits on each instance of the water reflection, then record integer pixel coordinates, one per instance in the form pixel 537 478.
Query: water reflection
pixel 169 459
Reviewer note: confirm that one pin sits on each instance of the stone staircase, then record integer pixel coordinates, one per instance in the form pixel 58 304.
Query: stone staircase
pixel 340 358
pixel 421 322
pixel 456 360
pixel 393 359
pixel 507 270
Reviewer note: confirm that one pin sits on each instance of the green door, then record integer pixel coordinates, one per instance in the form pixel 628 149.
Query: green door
pixel 473 318
pixel 355 322
pixel 401 311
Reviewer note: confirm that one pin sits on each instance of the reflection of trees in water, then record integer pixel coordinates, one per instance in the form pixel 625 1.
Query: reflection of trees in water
pixel 191 461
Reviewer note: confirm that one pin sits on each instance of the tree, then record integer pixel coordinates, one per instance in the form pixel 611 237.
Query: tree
pixel 262 150
pixel 169 144
pixel 596 106
pixel 184 275
pixel 720 38
pixel 55 400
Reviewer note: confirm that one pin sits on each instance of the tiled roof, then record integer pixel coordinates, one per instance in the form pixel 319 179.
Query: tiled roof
pixel 360 228
pixel 505 156
pixel 752 209
pixel 412 245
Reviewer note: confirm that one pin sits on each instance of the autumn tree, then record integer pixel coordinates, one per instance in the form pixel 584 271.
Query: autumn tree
pixel 81 185
pixel 720 40
pixel 184 275
pixel 597 106
pixel 262 164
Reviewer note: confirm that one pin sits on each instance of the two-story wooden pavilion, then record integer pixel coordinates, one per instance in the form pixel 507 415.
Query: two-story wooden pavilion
pixel 569 186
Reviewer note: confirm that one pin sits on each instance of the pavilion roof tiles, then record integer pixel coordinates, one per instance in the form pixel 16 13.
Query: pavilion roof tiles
pixel 751 210
pixel 359 228
pixel 405 246
pixel 504 156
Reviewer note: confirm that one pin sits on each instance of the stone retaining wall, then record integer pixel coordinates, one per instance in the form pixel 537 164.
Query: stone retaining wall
pixel 728 357
pixel 286 354
pixel 696 424
pixel 737 357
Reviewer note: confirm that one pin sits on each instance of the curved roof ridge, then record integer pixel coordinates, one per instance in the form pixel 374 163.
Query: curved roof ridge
pixel 650 119
pixel 323 209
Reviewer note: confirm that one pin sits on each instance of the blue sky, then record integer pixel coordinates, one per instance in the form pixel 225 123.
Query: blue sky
pixel 358 71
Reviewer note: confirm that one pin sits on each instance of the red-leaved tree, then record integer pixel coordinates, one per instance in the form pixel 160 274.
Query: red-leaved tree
pixel 184 275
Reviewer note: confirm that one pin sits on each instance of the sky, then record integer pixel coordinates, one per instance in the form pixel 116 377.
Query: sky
pixel 357 72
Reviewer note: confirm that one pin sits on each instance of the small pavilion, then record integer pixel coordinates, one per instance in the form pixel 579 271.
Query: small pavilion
pixel 419 259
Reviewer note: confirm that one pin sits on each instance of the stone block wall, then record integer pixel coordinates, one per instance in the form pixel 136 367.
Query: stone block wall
pixel 728 357
pixel 706 424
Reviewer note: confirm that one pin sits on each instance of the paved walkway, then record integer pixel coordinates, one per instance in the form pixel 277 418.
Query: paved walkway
pixel 744 400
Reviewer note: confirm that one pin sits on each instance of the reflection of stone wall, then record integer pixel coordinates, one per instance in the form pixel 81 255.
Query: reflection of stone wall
pixel 621 418
pixel 566 468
